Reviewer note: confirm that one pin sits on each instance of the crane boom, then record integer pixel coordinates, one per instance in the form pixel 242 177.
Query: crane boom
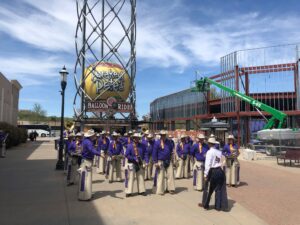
pixel 276 121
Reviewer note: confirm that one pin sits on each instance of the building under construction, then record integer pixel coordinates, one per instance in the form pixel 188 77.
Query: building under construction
pixel 269 75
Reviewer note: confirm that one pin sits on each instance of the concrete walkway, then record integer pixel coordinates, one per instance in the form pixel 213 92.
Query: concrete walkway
pixel 32 192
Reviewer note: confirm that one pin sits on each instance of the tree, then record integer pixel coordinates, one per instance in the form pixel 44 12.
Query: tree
pixel 38 112
pixel 37 109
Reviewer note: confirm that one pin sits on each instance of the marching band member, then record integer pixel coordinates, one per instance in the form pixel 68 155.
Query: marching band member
pixel 191 140
pixel 162 155
pixel 114 159
pixel 214 175
pixel 103 144
pixel 72 161
pixel 67 140
pixel 135 154
pixel 88 153
pixel 198 151
pixel 182 150
pixel 79 137
pixel 96 158
pixel 128 140
pixel 144 139
pixel 174 155
pixel 232 166
pixel 148 159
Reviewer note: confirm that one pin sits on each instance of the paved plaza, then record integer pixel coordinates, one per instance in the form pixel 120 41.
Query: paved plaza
pixel 33 193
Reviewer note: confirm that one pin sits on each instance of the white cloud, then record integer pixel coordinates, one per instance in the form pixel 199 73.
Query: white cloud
pixel 49 31
pixel 166 37
pixel 31 70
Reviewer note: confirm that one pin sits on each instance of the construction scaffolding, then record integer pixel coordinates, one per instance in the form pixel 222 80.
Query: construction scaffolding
pixel 270 75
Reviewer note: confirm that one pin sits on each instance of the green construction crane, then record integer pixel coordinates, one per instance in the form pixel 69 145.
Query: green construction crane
pixel 278 118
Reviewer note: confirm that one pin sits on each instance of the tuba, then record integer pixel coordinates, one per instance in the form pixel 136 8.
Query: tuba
pixel 69 126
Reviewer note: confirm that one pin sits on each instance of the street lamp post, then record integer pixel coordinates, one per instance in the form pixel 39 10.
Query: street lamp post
pixel 60 163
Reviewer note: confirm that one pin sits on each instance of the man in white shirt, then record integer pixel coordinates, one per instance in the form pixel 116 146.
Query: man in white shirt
pixel 213 174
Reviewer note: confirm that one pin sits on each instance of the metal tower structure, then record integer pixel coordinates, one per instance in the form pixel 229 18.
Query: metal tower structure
pixel 105 35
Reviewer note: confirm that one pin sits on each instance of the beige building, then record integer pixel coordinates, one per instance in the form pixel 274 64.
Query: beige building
pixel 9 100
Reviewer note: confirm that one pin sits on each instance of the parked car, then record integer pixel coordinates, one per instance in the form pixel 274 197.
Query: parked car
pixel 40 132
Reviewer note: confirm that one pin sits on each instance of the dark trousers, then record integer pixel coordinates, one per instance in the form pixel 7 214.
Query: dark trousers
pixel 216 178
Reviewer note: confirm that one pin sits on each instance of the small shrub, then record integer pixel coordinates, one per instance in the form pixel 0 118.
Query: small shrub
pixel 16 135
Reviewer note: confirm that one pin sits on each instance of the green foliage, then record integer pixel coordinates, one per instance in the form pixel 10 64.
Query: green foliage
pixel 16 135
pixel 38 110
pixel 36 115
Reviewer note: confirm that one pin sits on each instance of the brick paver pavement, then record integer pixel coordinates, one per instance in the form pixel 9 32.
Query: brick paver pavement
pixel 271 193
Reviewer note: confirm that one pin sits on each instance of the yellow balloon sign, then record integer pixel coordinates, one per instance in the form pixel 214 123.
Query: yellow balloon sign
pixel 105 80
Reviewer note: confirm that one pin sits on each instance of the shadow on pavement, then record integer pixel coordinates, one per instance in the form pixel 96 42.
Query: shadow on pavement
pixel 230 204
pixel 34 193
pixel 101 194
pixel 242 184
pixel 98 181
pixel 180 189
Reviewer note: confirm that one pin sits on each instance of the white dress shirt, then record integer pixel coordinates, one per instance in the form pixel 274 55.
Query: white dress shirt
pixel 213 160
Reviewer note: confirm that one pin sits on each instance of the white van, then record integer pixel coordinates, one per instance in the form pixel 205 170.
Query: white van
pixel 40 132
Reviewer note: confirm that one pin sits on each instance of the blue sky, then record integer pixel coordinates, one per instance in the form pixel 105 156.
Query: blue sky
pixel 174 38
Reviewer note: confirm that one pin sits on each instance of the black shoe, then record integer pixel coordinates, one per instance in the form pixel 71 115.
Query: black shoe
pixel 143 194
pixel 70 184
pixel 172 192
pixel 128 195
pixel 202 206
pixel 110 182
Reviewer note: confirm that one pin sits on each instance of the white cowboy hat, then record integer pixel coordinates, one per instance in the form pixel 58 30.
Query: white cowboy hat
pixel 170 136
pixel 146 132
pixel 89 133
pixel 163 132
pixel 183 136
pixel 115 134
pixel 201 136
pixel 212 140
pixel 79 134
pixel 150 136
pixel 130 132
pixel 125 134
pixel 230 136
pixel 136 135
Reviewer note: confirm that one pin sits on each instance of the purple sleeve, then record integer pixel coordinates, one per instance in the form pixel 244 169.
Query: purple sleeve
pixel 92 149
pixel 108 142
pixel 110 149
pixel 128 154
pixel 155 152
pixel 226 150
pixel 99 145
pixel 186 149
pixel 178 150
pixel 146 155
pixel 193 148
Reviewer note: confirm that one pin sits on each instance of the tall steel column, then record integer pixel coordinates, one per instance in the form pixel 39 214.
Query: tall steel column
pixel 105 33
